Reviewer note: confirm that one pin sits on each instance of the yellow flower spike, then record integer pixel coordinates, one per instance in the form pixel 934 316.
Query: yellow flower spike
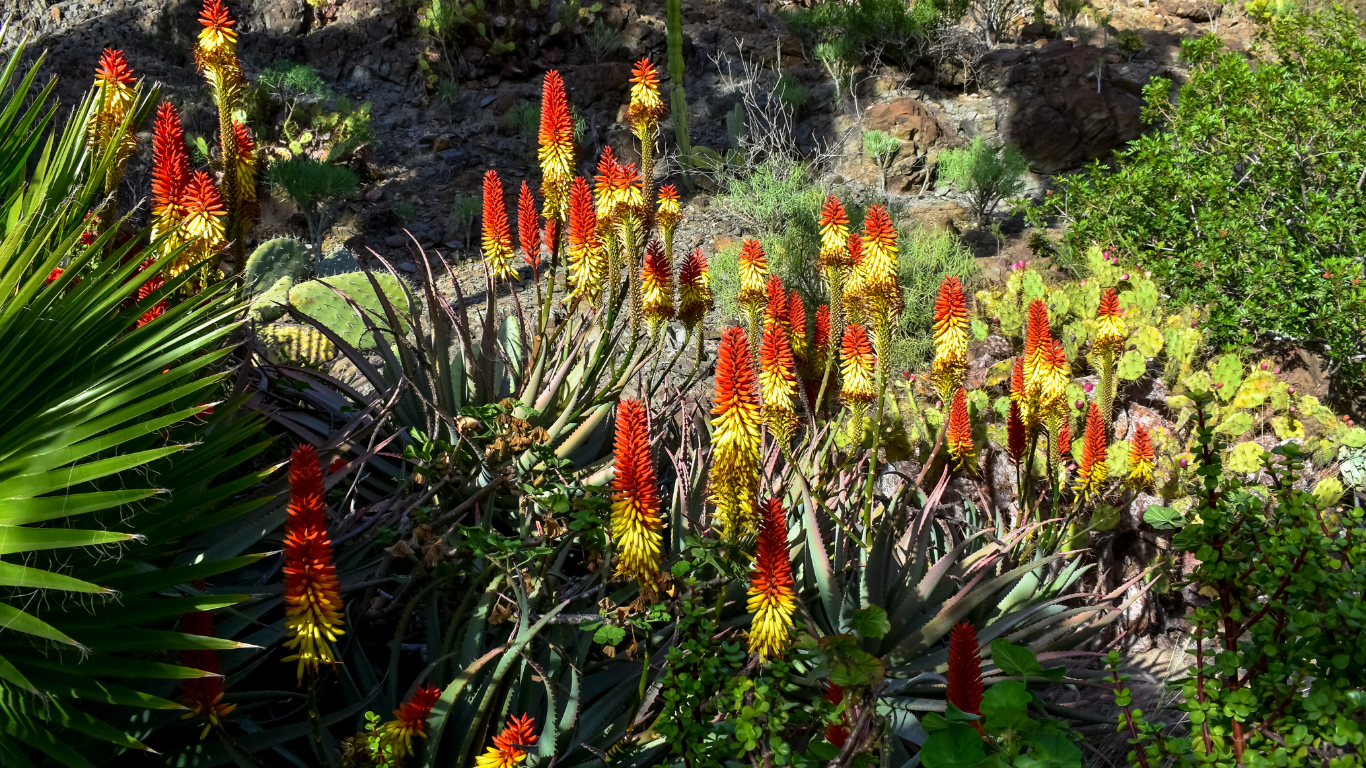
pixel 635 499
pixel 734 481
pixel 772 594
pixel 778 382
pixel 1093 472
pixel 950 365
pixel 556 153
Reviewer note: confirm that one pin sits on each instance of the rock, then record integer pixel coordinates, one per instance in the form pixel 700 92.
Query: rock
pixel 450 154
pixel 396 241
pixel 374 195
pixel 904 117
pixel 284 17
pixel 1142 416
pixel 408 266
pixel 589 84
pixel 1195 10
pixel 441 143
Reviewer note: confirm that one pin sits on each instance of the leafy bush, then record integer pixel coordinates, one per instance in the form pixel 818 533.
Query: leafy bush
pixel 987 175
pixel 872 30
pixel 881 147
pixel 927 256
pixel 1264 220
pixel 313 186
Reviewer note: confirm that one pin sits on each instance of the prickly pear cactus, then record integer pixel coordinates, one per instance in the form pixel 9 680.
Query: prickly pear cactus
pixel 1148 341
pixel 296 345
pixel 1132 365
pixel 274 259
pixel 320 302
pixel 1059 304
pixel 338 262
pixel 1245 458
pixel 1227 374
pixel 272 304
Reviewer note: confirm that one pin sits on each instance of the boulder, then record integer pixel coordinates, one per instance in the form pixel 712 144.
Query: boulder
pixel 1195 10
pixel 905 118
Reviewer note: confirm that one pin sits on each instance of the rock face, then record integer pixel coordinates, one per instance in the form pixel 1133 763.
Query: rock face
pixel 1058 116
pixel 1195 10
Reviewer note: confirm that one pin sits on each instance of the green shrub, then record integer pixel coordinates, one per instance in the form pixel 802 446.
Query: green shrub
pixel 1249 200
pixel 986 174
pixel 1130 41
pixel 872 29
pixel 881 147
pixel 314 187
pixel 778 203
pixel 927 256
pixel 792 91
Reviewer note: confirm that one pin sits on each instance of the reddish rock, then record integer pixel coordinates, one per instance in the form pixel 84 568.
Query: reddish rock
pixel 905 118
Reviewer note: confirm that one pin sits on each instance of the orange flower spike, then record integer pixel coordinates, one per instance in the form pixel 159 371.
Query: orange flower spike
pixel 772 597
pixel 775 310
pixel 1109 333
pixel 1019 395
pixel 734 478
pixel 635 497
pixel 796 328
pixel 204 216
pixel 880 289
pixel 964 689
pixel 694 289
pixel 607 170
pixel 820 341
pixel 625 191
pixel 1142 460
pixel 556 153
pixel 510 747
pixel 170 170
pixel 1016 440
pixel 1092 474
pixel 950 365
pixel 960 431
pixel 778 382
pixel 1036 335
pixel 497 239
pixel 410 720
pixel 856 279
pixel 834 224
pixel 1065 437
pixel 145 291
pixel 217 36
pixel 313 604
pixel 753 274
pixel 529 228
pixel 856 367
pixel 668 212
pixel 204 695
pixel 246 161
pixel 657 288
pixel 586 261
pixel 646 106
pixel 114 77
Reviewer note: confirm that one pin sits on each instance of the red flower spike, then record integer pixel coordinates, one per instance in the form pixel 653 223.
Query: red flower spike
pixel 170 167
pixel 960 430
pixel 857 363
pixel 821 341
pixel 528 228
pixel 796 328
pixel 204 695
pixel 313 602
pixel 775 310
pixel 1015 433
pixel 657 288
pixel 753 273
pixel 965 669
pixel 556 152
pixel 1065 437
pixel 777 382
pixel 1092 474
pixel 833 693
pixel 1142 460
pixel 153 284
pixel 510 747
pixel 834 224
pixel 635 497
pixel 772 599
pixel 734 478
pixel 497 239
pixel 694 289
pixel 113 70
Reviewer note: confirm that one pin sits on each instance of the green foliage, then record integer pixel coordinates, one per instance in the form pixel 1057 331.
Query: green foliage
pixel 1012 737
pixel 792 91
pixel 839 57
pixel 1130 41
pixel 601 41
pixel 270 271
pixel 781 207
pixel 927 255
pixel 523 118
pixel 318 299
pixel 870 30
pixel 1265 244
pixel 314 186
pixel 464 210
pixel 881 148
pixel 1280 679
pixel 405 211
pixel 449 25
pixel 987 175
pixel 1068 11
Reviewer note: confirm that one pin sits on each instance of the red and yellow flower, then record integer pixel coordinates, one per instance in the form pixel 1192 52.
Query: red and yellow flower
pixel 778 382
pixel 834 224
pixel 820 340
pixel 753 274
pixel 657 289
pixel 313 604
pixel 203 695
pixel 646 106
pixel 114 86
pixel 857 363
pixel 964 689
pixel 775 306
pixel 1093 472
pixel 1142 460
pixel 145 291
pixel 694 290
pixel 216 53
pixel 950 366
pixel 497 240
pixel 636 520
pixel 796 328
pixel 1109 334
pixel 246 162
pixel 668 214
pixel 409 720
pixel 602 189
pixel 880 291
pixel 203 222
pixel 510 747
pixel 1016 441
pixel 217 33
pixel 556 153
pixel 734 480
pixel 529 228
pixel 854 283
pixel 587 262
pixel 772 598
pixel 960 431
pixel 170 171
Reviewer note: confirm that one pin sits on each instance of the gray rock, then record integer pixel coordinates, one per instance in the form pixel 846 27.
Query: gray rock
pixel 396 241
pixel 408 266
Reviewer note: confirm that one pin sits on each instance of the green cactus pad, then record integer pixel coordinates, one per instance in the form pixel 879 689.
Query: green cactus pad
pixel 1245 458
pixel 1012 319
pixel 1073 335
pixel 320 302
pixel 1236 425
pixel 1000 373
pixel 272 304
pixel 1117 459
pixel 1327 492
pixel 1145 296
pixel 1090 299
pixel 1255 390
pixel 274 259
pixel 1059 305
pixel 296 344
pixel 979 329
pixel 1198 382
pixel 1148 340
pixel 1287 428
pixel 1132 365
pixel 338 262
pixel 1228 371
pixel 1354 437
pixel 1031 287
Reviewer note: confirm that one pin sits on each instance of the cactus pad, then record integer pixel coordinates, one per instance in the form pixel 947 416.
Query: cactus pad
pixel 1132 365
pixel 296 344
pixel 1198 382
pixel 320 302
pixel 1148 341
pixel 979 329
pixel 1228 371
pixel 1255 390
pixel 1059 305
pixel 338 262
pixel 271 305
pixel 1073 334
pixel 1237 424
pixel 274 259
pixel 1245 458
